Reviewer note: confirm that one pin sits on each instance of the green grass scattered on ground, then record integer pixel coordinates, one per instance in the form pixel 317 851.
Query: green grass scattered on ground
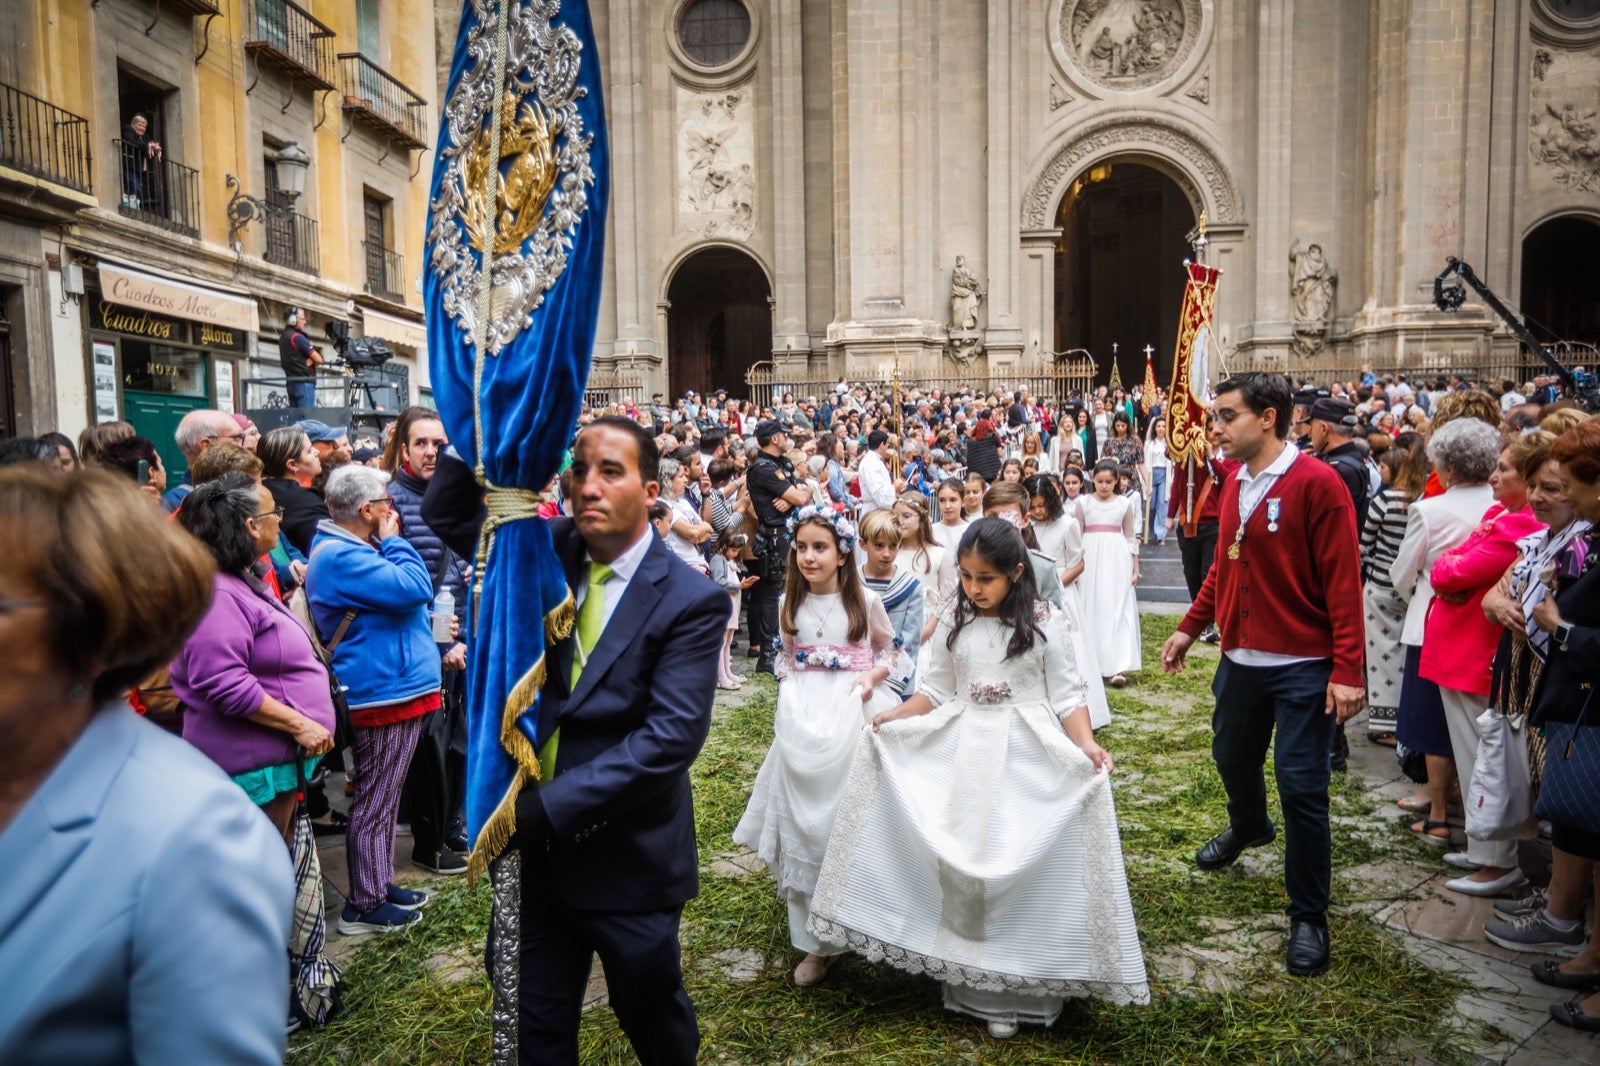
pixel 1377 1003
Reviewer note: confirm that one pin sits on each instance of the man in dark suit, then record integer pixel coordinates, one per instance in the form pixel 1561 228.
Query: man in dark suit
pixel 607 840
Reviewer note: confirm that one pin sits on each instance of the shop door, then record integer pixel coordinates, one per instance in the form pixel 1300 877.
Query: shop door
pixel 161 384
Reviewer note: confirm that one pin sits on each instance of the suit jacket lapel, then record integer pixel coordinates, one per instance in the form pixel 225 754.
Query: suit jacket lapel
pixel 56 825
pixel 637 602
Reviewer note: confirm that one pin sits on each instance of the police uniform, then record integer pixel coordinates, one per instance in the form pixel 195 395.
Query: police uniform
pixel 768 478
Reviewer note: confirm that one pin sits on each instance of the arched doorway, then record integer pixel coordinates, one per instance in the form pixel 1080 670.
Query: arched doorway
pixel 1119 267
pixel 719 323
pixel 1560 280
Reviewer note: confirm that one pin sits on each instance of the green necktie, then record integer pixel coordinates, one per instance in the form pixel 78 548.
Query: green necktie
pixel 591 622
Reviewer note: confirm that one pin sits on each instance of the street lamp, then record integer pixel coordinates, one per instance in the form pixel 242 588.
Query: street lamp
pixel 291 163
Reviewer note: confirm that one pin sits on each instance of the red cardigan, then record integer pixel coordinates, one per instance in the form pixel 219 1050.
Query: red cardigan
pixel 1296 591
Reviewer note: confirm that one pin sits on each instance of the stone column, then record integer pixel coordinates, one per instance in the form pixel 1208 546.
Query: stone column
pixel 631 180
pixel 1005 338
pixel 1037 294
pixel 788 180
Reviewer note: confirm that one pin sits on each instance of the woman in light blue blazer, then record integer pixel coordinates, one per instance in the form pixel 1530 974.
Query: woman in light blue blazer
pixel 145 900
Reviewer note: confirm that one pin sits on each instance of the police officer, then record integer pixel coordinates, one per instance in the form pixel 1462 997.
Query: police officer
pixel 1333 440
pixel 775 491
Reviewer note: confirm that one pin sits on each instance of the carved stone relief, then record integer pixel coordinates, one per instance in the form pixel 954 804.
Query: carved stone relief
pixel 717 163
pixel 1059 97
pixel 1129 44
pixel 1202 89
pixel 1137 133
pixel 1563 121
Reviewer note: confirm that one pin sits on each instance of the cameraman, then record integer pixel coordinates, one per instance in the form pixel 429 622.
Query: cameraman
pixel 774 492
pixel 300 360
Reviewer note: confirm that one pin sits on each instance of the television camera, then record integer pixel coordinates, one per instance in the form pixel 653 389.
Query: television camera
pixel 1580 384
pixel 358 353
pixel 371 398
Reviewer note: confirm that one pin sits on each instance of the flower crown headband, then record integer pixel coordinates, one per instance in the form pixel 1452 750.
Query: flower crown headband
pixel 842 527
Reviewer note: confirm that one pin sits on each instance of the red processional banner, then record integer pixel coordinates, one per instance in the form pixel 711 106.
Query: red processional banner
pixel 1188 428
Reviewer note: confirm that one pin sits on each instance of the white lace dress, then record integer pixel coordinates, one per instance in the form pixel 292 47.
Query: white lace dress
pixel 978 845
pixel 1110 604
pixel 815 728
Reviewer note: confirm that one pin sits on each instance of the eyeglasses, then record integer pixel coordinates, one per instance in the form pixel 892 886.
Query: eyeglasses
pixel 383 499
pixel 8 605
pixel 276 512
pixel 1227 415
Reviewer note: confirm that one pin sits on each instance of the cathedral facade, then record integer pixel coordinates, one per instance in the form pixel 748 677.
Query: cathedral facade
pixel 965 189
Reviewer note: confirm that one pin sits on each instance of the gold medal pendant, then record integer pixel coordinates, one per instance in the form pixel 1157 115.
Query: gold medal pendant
pixel 1233 550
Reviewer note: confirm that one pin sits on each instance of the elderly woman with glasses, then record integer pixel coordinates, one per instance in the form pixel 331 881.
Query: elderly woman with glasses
pixel 370 592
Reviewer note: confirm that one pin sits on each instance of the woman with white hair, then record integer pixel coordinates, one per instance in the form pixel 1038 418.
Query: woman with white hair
pixel 1464 453
pixel 369 593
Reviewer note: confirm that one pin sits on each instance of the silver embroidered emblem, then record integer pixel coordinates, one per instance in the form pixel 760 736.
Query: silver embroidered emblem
pixel 517 212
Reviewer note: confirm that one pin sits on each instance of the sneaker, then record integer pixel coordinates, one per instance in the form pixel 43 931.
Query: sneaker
pixel 447 864
pixel 1532 903
pixel 1210 635
pixel 1535 932
pixel 384 918
pixel 459 844
pixel 407 899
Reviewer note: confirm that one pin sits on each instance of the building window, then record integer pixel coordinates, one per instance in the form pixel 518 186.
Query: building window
pixel 714 33
pixel 155 187
pixel 384 265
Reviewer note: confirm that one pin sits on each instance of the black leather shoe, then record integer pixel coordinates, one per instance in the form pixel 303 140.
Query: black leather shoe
pixel 753 653
pixel 1222 849
pixel 1308 949
pixel 766 665
pixel 1339 756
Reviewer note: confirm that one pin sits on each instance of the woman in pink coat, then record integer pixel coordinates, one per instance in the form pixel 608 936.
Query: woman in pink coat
pixel 1459 643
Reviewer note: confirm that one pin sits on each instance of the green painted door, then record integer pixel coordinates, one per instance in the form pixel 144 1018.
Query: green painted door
pixel 156 415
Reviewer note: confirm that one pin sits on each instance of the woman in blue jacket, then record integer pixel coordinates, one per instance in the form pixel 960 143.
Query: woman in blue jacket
pixel 369 592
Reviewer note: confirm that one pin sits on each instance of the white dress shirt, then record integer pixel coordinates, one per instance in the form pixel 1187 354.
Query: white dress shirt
pixel 623 567
pixel 877 485
pixel 1252 490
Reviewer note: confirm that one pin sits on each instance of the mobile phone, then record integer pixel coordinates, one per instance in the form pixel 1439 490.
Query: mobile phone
pixel 142 475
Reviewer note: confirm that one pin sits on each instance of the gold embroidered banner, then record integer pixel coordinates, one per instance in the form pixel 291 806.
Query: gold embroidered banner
pixel 1188 429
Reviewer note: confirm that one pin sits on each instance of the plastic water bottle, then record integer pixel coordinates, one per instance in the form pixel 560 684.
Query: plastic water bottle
pixel 444 611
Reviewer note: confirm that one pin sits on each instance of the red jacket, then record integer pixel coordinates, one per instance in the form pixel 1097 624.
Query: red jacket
pixel 1458 642
pixel 1296 591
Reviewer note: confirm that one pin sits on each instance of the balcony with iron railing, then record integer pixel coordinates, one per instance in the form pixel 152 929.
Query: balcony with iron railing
pixel 292 241
pixel 375 99
pixel 385 272
pixel 44 141
pixel 158 190
pixel 285 36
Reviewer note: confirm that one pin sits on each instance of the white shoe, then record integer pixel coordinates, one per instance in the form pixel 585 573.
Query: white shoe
pixel 1003 1028
pixel 1459 858
pixel 1506 881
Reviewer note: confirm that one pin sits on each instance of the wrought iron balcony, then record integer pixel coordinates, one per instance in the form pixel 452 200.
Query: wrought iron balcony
pixel 157 190
pixel 386 271
pixel 284 35
pixel 41 139
pixel 292 242
pixel 374 98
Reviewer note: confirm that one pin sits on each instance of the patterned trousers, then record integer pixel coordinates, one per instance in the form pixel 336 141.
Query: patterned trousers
pixel 383 754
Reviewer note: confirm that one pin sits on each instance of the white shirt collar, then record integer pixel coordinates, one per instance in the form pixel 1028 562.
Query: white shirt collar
pixel 625 565
pixel 1285 458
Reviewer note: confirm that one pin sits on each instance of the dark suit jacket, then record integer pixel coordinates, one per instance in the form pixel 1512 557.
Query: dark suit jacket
pixel 613 830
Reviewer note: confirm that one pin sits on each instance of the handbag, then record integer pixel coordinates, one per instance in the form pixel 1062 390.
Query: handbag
pixel 1569 794
pixel 1499 798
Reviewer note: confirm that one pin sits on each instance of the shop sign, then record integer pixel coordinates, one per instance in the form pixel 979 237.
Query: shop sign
pixel 114 319
pixel 170 296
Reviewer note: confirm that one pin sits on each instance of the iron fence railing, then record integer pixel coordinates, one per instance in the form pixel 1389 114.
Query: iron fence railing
pixel 292 242
pixel 374 96
pixel 385 271
pixel 765 384
pixel 158 190
pixel 286 35
pixel 44 140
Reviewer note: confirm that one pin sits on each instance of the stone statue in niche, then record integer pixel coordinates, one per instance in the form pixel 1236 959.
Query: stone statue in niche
pixel 1128 42
pixel 1565 141
pixel 1541 64
pixel 965 296
pixel 1311 282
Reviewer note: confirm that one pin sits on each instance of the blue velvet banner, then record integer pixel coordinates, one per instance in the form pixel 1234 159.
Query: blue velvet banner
pixel 527 193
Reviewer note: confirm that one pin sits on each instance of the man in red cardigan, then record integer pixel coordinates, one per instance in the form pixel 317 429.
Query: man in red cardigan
pixel 1286 593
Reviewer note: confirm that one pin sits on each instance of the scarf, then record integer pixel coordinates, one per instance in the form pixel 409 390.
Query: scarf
pixel 1528 581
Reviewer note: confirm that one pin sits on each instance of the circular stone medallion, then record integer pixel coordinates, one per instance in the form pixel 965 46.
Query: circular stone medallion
pixel 1129 44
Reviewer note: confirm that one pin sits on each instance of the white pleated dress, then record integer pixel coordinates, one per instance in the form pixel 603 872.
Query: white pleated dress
pixel 1110 601
pixel 815 729
pixel 978 845
pixel 1062 540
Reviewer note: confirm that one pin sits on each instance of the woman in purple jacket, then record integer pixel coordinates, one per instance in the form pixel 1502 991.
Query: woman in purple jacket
pixel 255 694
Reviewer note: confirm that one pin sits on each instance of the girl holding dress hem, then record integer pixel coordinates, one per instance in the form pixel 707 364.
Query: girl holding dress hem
pixel 837 649
pixel 977 839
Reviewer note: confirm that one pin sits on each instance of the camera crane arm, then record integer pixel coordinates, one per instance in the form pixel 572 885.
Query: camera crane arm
pixel 1451 299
